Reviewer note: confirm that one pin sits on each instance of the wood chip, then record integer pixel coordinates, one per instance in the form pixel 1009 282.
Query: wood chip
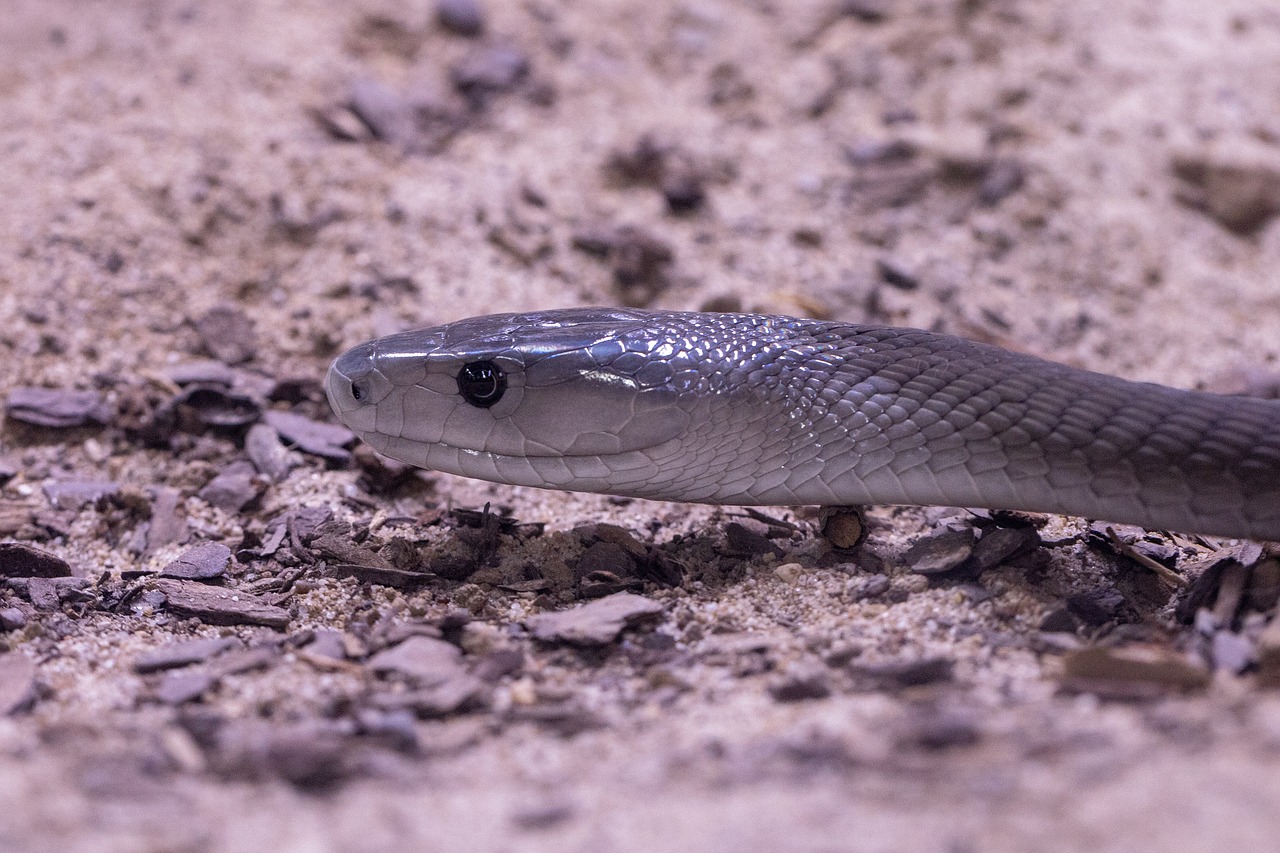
pixel 595 624
pixel 1131 672
pixel 271 458
pixel 218 606
pixel 234 488
pixel 941 552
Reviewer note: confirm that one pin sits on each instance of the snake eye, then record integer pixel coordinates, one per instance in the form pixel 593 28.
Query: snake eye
pixel 481 383
pixel 356 392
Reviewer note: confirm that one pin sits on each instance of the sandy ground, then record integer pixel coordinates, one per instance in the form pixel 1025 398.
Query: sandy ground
pixel 1049 177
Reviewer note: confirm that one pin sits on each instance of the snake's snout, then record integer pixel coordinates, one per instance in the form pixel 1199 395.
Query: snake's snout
pixel 355 386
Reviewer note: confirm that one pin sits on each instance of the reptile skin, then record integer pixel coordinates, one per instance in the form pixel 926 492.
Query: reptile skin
pixel 753 409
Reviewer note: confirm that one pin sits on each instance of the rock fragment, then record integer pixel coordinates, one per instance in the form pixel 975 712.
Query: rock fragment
pixel 182 654
pixel 944 551
pixel 462 17
pixel 57 408
pixel 319 439
pixel 74 494
pixel 26 561
pixel 227 334
pixel 203 562
pixel 218 606
pixel 597 623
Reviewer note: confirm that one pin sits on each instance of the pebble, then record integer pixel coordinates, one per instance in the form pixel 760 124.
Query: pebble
pixel 1002 179
pixel 1097 606
pixel 800 687
pixel 422 660
pixel 12 619
pixel 895 274
pixel 177 688
pixel 789 572
pixel 749 539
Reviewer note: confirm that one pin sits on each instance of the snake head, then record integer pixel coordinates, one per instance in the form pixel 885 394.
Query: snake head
pixel 532 398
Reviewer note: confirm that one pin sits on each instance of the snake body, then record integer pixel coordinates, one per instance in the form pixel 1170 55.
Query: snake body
pixel 765 410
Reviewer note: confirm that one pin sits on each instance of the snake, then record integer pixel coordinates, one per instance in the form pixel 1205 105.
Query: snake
pixel 758 410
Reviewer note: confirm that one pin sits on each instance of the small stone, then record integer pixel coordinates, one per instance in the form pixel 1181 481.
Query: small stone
pixel 1002 179
pixel 327 642
pixel 17 683
pixel 74 494
pixel 595 624
pixel 182 654
pixel 748 539
pixel 54 407
pixel 789 572
pixel 499 663
pixel 215 406
pixel 895 274
pixel 940 552
pixel 166 527
pixel 271 458
pixel 463 17
pixel 12 619
pixel 25 561
pixel 227 334
pixel 423 660
pixel 863 588
pixel 1003 543
pixel 217 606
pixel 203 562
pixel 1060 621
pixel 1097 606
pixel 867 11
pixel 490 68
pixel 383 110
pixel 451 696
pixel 801 687
pixel 1239 188
pixel 234 488
pixel 177 688
pixel 318 439
pixel 905 673
pixel 204 372
pixel 607 557
pixel 684 191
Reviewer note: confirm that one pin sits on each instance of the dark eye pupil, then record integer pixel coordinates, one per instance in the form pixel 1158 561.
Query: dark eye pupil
pixel 481 383
pixel 356 393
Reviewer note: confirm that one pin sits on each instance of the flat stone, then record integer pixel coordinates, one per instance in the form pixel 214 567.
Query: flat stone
pixel 182 654
pixel 58 408
pixel 218 606
pixel 203 562
pixel 233 488
pixel 74 494
pixel 319 439
pixel 940 552
pixel 179 687
pixel 25 561
pixel 424 660
pixel 595 624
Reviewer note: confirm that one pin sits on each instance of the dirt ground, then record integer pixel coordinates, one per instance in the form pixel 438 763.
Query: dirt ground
pixel 202 203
